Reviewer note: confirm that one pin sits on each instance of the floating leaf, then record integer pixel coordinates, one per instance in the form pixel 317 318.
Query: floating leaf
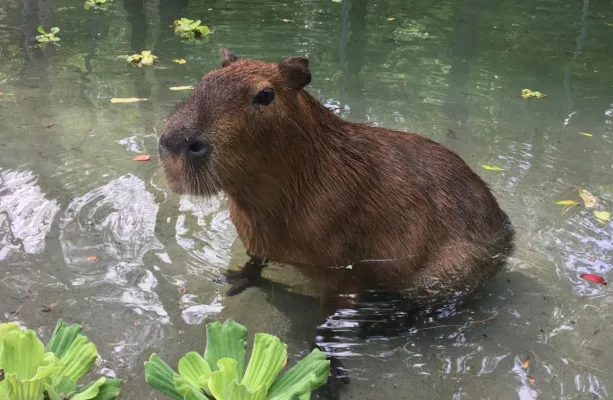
pixel 492 168
pixel 390 19
pixel 144 58
pixel 93 258
pixel 126 100
pixel 567 203
pixel 47 37
pixel 588 198
pixel 593 278
pixel 529 94
pixel 603 216
pixel 337 1
pixel 181 87
pixel 22 354
pixel 309 374
pixel 586 134
pixel 159 375
pixel 189 29
pixel 223 377
pixel 141 157
pixel 77 361
pixel 91 392
pixel 62 338
pixel 526 362
pixel 267 358
pixel 227 340
pixel 179 61
pixel 531 380
pixel 195 370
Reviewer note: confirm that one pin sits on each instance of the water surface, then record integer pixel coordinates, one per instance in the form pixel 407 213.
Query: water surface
pixel 451 70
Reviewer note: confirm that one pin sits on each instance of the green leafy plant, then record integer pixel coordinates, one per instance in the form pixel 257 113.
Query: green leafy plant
pixel 220 373
pixel 142 58
pixel 31 371
pixel 47 37
pixel 188 29
pixel 96 4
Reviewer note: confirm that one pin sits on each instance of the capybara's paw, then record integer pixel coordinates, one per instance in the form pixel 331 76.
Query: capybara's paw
pixel 241 279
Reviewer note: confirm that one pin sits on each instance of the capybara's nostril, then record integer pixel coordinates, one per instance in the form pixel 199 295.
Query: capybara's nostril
pixel 197 149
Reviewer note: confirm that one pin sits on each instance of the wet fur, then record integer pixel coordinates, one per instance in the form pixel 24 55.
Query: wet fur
pixel 310 189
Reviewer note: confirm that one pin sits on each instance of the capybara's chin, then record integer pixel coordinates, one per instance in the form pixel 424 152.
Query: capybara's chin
pixel 183 176
pixel 310 189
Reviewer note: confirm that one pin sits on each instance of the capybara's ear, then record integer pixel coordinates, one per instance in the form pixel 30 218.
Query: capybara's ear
pixel 296 72
pixel 227 57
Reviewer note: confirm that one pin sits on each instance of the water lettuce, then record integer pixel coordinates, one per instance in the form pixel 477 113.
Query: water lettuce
pixel 220 372
pixel 31 371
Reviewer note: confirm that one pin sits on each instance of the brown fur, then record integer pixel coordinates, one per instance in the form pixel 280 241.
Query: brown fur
pixel 309 189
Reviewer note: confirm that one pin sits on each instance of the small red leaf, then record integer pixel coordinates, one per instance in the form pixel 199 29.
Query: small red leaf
pixel 593 278
pixel 142 157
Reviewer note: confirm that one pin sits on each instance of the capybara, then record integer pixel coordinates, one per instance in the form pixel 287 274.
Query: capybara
pixel 352 206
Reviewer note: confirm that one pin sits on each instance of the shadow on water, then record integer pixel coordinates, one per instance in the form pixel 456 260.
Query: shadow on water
pixel 374 335
pixel 32 14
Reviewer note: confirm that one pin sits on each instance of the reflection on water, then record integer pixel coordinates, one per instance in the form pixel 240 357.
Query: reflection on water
pixel 25 214
pixel 91 236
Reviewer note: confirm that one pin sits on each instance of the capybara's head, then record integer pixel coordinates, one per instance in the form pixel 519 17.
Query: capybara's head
pixel 232 122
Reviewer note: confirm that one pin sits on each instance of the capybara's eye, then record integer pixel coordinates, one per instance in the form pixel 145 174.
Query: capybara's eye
pixel 264 97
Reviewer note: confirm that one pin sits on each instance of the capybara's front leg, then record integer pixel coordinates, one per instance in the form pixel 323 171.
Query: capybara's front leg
pixel 249 275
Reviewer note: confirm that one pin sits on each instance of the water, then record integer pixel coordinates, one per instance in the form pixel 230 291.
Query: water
pixel 452 71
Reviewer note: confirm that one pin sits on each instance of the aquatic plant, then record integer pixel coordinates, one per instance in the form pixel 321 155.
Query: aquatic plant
pixel 30 371
pixel 189 29
pixel 96 4
pixel 47 37
pixel 220 373
pixel 142 58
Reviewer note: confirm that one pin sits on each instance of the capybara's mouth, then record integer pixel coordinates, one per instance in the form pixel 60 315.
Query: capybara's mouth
pixel 175 174
pixel 183 177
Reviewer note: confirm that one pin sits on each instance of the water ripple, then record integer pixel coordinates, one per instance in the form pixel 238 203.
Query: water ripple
pixel 26 215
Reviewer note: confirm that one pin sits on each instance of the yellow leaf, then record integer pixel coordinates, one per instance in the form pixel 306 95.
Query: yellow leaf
pixel 588 198
pixel 126 100
pixel 585 134
pixel 526 362
pixel 608 23
pixel 604 216
pixel 390 19
pixel 179 61
pixel 529 94
pixel 180 87
pixel 492 168
pixel 567 203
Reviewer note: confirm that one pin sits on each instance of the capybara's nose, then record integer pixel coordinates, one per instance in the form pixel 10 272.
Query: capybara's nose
pixel 179 144
pixel 197 149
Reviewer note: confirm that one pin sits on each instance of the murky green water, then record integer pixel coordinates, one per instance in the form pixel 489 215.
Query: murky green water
pixel 450 70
